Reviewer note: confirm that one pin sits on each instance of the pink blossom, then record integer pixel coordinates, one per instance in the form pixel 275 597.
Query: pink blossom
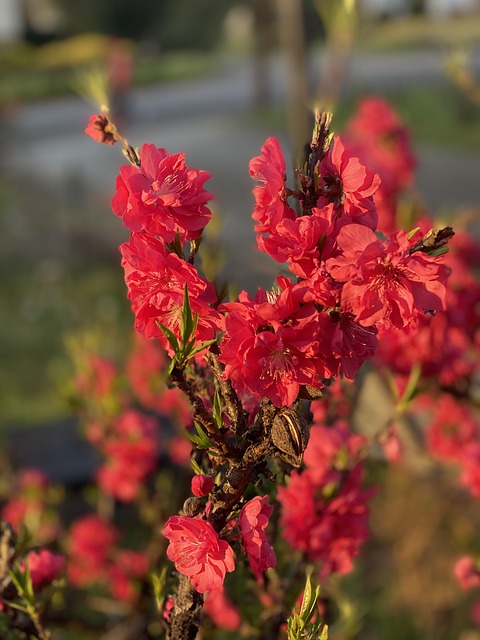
pixel 168 607
pixel 252 522
pixel 379 139
pixel 467 573
pixel 201 485
pixel 330 451
pixel 198 552
pixel 156 282
pixel 274 344
pixel 347 184
pixel 133 445
pixel 123 573
pixel 470 462
pixel 451 429
pixel 330 530
pixel 44 567
pixel 100 130
pixel 391 445
pixel 221 611
pixel 90 543
pixel 271 206
pixel 385 284
pixel 163 196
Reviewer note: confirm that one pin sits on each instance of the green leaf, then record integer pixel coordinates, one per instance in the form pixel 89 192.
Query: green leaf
pixel 440 251
pixel 413 232
pixel 201 346
pixel 159 582
pixel 171 337
pixel 307 599
pixel 187 318
pixel 411 387
pixel 217 410
pixel 201 439
pixel 324 634
pixel 197 470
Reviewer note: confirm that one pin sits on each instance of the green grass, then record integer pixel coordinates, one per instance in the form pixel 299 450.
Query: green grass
pixel 29 83
pixel 438 115
pixel 420 32
pixel 50 289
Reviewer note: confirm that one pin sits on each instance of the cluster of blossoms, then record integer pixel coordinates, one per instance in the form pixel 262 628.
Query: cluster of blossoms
pixel 30 504
pixel 246 366
pixel 349 283
pixel 324 508
pixel 95 559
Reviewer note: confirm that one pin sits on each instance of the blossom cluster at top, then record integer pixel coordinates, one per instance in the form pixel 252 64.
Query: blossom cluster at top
pixel 347 280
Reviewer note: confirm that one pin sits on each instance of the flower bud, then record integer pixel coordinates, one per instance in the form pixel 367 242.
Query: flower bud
pixel 201 485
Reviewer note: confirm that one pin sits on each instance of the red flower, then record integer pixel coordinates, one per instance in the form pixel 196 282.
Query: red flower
pixel 163 196
pixel 201 485
pixel 221 611
pixel 273 344
pixel 91 539
pixel 127 567
pixel 385 284
pixel 44 567
pixel 198 552
pixel 156 282
pixel 252 522
pixel 467 573
pixel 451 429
pixel 133 445
pixel 329 531
pixel 100 130
pixel 271 205
pixel 347 184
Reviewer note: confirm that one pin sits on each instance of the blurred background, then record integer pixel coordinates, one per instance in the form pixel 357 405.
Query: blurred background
pixel 214 79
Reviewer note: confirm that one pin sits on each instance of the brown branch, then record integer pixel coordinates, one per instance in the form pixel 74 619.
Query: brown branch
pixel 201 415
pixel 233 406
pixel 187 612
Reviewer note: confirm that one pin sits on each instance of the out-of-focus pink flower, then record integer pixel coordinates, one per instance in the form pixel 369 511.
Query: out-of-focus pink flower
pixel 252 522
pixel 201 485
pixel 100 130
pixel 167 608
pixel 391 445
pixel 467 572
pixel 133 446
pixel 470 462
pixel 44 567
pixel 328 528
pixel 198 552
pixel 221 611
pixel 452 428
pixel 90 543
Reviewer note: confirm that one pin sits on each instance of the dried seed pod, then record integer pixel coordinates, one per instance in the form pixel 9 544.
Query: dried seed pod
pixel 290 434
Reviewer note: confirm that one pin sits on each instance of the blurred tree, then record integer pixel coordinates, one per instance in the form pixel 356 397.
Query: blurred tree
pixel 174 24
